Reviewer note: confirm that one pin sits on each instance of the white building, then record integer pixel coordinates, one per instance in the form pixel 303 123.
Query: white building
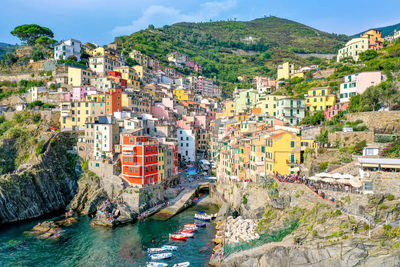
pixel 103 64
pixel 290 110
pixel 68 48
pixel 353 48
pixel 396 35
pixel 106 135
pixel 187 144
pixel 37 90
pixel 356 84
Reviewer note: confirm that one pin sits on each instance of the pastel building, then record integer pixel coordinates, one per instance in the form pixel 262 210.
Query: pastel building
pixel 68 48
pixel 79 93
pixel 319 99
pixel 290 110
pixel 79 76
pixel 353 48
pixel 356 84
pixel 375 39
pixel 139 159
pixel 334 110
pixel 187 144
pixel 105 136
pixel 113 101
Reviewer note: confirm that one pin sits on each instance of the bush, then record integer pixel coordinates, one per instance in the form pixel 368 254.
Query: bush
pixel 40 147
pixel 387 227
pixel 390 197
pixel 244 200
pixel 314 233
pixel 323 166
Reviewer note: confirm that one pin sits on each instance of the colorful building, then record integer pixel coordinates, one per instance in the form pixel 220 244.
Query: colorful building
pixel 74 115
pixel 161 163
pixel 282 152
pixel 267 104
pixel 319 99
pixel 113 101
pixel 287 71
pixel 79 76
pixel 290 110
pixel 139 159
pixel 334 110
pixel 181 94
pixel 356 84
pixel 375 39
pixel 130 75
pixel 353 48
pixel 245 100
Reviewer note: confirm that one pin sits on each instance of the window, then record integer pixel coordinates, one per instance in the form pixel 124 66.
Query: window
pixel 291 143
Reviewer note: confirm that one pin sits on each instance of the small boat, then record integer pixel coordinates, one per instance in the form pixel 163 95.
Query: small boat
pixel 190 225
pixel 169 247
pixel 156 264
pixel 155 250
pixel 186 231
pixel 213 216
pixel 201 211
pixel 186 234
pixel 201 224
pixel 182 264
pixel 161 256
pixel 204 217
pixel 177 237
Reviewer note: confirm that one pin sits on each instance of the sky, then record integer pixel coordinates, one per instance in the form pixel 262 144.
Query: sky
pixel 100 21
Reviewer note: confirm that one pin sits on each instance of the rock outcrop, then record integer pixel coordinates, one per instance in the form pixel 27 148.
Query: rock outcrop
pixel 44 187
pixel 275 255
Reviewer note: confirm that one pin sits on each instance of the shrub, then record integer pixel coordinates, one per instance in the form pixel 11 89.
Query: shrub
pixel 40 148
pixel 366 227
pixel 314 233
pixel 244 200
pixel 323 166
pixel 387 227
pixel 396 245
pixel 344 226
pixel 390 197
pixel 338 212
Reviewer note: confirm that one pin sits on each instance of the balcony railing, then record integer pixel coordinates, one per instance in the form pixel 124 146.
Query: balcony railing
pixel 292 163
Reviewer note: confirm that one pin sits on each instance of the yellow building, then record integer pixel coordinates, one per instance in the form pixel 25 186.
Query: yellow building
pixel 257 163
pixel 161 174
pixel 375 39
pixel 268 104
pixel 181 94
pixel 79 76
pixel 319 99
pixel 287 71
pixel 140 58
pixel 228 111
pixel 282 152
pixel 74 114
pixel 130 75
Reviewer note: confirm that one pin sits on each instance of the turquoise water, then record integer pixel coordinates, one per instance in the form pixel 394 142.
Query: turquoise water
pixel 83 245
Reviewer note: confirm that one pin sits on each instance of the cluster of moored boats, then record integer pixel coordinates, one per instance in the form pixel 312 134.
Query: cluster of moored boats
pixel 165 252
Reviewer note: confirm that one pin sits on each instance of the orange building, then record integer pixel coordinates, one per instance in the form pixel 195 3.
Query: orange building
pixel 139 159
pixel 375 39
pixel 113 101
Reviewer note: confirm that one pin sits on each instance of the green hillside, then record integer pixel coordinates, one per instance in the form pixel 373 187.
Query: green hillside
pixel 223 50
pixel 388 30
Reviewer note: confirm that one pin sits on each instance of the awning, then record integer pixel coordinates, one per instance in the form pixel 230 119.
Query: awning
pixel 355 182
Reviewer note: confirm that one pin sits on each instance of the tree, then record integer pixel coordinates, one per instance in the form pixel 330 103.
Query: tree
pixel 72 58
pixel 130 62
pixel 31 32
pixel 37 54
pixel 368 55
pixel 45 41
pixel 151 27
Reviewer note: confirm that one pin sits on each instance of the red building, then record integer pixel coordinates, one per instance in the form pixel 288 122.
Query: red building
pixel 113 101
pixel 332 111
pixel 117 79
pixel 139 159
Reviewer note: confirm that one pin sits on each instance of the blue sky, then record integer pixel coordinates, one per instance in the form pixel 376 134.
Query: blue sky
pixel 100 21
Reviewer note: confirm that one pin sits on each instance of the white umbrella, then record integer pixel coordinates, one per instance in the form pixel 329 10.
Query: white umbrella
pixel 347 176
pixel 355 182
pixel 314 178
pixel 337 176
pixel 329 180
pixel 323 174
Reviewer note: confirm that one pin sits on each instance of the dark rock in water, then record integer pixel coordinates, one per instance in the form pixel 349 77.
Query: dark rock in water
pixel 41 188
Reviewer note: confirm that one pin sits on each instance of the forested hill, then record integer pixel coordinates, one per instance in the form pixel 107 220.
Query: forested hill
pixel 227 49
pixel 387 30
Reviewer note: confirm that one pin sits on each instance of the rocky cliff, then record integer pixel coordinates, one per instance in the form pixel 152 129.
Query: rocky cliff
pixel 43 187
pixel 323 233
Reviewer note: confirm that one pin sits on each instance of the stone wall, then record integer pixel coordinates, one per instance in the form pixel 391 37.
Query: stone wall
pixel 385 122
pixel 350 138
pixel 310 132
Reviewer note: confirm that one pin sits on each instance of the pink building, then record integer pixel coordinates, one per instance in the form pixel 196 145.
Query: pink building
pixel 356 84
pixel 160 111
pixel 78 94
pixel 332 111
pixel 194 65
pixel 168 102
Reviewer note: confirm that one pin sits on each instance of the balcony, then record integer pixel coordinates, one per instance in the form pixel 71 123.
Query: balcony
pixel 292 163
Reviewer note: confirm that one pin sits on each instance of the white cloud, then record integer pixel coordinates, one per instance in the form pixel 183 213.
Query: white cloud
pixel 159 15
